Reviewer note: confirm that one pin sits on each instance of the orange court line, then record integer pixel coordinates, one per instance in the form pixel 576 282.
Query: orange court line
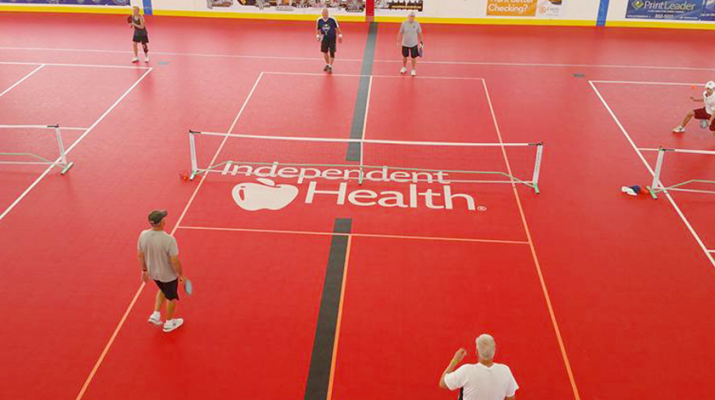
pixel 373 235
pixel 340 319
pixel 544 289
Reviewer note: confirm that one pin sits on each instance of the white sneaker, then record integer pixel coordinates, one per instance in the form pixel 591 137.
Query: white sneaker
pixel 172 324
pixel 146 58
pixel 155 318
pixel 135 59
pixel 403 70
pixel 625 189
pixel 679 129
pixel 414 72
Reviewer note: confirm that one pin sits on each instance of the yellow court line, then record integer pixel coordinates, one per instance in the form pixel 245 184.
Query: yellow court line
pixel 494 21
pixel 66 9
pixel 544 289
pixel 660 24
pixel 368 235
pixel 340 319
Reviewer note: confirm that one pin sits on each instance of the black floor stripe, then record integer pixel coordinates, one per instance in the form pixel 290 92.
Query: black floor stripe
pixel 363 90
pixel 321 359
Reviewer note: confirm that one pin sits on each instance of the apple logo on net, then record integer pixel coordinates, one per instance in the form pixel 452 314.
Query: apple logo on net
pixel 264 196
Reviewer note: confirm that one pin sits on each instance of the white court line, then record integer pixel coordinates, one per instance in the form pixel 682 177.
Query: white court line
pixel 73 65
pixel 69 149
pixel 481 63
pixel 640 155
pixel 368 235
pixel 22 80
pixel 699 84
pixel 62 128
pixel 537 264
pixel 178 222
pixel 372 76
pixel 711 251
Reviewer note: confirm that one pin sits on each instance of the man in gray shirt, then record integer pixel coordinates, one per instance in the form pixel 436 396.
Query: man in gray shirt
pixel 159 260
pixel 411 40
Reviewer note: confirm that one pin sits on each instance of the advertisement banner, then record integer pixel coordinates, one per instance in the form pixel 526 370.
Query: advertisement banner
pixel 70 2
pixel 403 5
pixel 550 8
pixel 686 10
pixel 708 13
pixel 511 8
pixel 288 6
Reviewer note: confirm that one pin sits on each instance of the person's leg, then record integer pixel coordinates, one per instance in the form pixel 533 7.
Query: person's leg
pixel 327 58
pixel 687 118
pixel 136 51
pixel 159 301
pixel 171 309
pixel 404 62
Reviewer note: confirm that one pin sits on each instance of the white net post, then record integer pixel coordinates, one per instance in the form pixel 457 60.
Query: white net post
pixel 656 176
pixel 63 154
pixel 194 161
pixel 537 167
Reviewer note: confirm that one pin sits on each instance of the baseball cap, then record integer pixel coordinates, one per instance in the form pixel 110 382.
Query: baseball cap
pixel 156 216
pixel 710 85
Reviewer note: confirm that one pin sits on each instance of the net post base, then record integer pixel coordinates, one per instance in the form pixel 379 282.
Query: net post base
pixel 652 192
pixel 66 168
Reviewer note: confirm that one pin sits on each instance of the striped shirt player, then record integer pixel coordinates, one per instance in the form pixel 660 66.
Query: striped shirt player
pixel 328 35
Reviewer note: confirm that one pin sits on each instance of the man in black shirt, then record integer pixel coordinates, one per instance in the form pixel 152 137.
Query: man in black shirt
pixel 328 32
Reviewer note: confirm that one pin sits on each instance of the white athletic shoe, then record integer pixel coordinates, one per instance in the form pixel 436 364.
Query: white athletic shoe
pixel 146 58
pixel 679 129
pixel 155 318
pixel 629 191
pixel 414 72
pixel 135 59
pixel 403 70
pixel 173 324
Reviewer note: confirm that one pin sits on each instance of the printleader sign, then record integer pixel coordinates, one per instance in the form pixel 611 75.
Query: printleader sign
pixel 511 8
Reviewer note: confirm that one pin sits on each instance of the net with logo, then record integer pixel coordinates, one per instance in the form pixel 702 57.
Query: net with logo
pixel 365 161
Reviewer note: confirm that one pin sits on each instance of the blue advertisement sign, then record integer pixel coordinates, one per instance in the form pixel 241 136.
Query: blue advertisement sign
pixel 684 10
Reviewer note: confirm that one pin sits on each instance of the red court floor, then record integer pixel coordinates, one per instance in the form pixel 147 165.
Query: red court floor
pixel 590 294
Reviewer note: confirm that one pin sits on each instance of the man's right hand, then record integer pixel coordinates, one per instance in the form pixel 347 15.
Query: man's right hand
pixel 459 356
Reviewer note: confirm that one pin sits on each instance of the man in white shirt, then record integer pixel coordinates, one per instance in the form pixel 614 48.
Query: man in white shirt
pixel 485 380
pixel 705 114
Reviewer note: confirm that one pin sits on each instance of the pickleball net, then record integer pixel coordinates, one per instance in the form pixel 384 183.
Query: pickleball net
pixel 305 158
pixel 33 145
pixel 691 169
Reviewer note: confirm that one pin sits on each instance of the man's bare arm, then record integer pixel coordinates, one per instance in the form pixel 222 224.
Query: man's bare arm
pixel 458 357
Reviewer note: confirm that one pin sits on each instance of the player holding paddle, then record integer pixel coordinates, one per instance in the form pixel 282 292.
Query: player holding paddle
pixel 136 21
pixel 328 33
pixel 706 114
pixel 412 41
pixel 159 260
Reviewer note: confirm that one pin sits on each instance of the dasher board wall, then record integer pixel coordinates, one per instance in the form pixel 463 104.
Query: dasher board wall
pixel 690 14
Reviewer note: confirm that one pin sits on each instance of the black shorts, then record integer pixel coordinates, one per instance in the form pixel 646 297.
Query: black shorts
pixel 329 44
pixel 406 51
pixel 702 114
pixel 170 289
pixel 141 36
